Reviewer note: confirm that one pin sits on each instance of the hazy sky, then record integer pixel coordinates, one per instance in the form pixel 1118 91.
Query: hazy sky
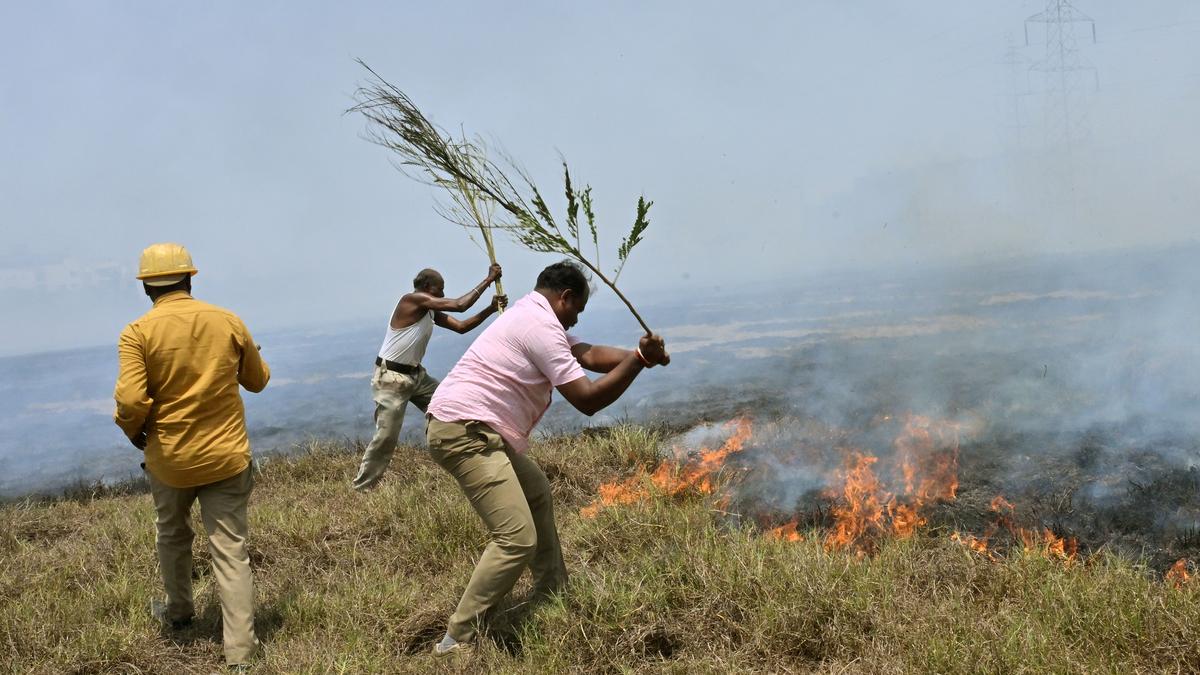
pixel 777 140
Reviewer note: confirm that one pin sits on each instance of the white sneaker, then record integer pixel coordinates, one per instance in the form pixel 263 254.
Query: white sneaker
pixel 449 646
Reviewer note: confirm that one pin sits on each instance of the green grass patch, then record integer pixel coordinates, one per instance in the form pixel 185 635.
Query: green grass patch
pixel 358 583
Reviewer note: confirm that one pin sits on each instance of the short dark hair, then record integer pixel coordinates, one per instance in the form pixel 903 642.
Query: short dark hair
pixel 564 275
pixel 426 278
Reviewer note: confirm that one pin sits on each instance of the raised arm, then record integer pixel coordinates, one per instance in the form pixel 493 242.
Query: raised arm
pixel 467 325
pixel 433 303
pixel 621 367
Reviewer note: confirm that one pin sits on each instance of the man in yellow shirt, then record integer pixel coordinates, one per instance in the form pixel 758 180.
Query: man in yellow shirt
pixel 177 399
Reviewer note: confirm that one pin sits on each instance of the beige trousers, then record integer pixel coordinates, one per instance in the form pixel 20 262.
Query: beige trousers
pixel 512 497
pixel 223 510
pixel 392 391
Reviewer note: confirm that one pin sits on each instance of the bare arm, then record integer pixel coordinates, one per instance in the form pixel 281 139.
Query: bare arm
pixel 425 301
pixel 599 358
pixel 467 325
pixel 414 305
pixel 590 397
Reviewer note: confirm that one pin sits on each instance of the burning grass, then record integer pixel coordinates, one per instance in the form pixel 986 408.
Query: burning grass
pixel 672 581
pixel 693 471
pixel 864 505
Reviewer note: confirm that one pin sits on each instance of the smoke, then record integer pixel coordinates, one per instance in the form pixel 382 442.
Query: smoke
pixel 1069 383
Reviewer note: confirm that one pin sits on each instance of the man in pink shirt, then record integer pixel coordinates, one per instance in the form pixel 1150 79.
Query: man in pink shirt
pixel 479 423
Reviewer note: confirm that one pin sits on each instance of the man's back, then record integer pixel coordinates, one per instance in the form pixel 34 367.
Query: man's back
pixel 181 364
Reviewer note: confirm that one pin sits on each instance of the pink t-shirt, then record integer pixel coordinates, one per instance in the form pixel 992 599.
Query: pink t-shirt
pixel 505 379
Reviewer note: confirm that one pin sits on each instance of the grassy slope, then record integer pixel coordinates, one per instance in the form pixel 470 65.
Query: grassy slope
pixel 363 583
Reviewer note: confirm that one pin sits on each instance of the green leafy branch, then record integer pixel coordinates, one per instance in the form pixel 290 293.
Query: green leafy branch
pixel 462 167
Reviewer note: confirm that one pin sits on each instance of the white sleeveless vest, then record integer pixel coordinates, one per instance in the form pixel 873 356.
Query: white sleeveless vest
pixel 407 345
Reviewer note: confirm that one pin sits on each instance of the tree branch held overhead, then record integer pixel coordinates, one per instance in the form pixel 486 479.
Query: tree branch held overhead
pixel 462 167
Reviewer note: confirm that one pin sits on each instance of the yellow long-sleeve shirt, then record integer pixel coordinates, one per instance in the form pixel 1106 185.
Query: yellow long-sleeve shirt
pixel 180 367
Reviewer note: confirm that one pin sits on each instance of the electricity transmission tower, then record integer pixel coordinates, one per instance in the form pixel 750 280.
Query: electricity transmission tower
pixel 1064 72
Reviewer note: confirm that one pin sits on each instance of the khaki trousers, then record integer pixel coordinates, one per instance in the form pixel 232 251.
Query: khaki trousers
pixel 512 497
pixel 223 510
pixel 392 391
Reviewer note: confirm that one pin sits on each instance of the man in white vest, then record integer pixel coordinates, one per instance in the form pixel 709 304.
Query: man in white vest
pixel 399 377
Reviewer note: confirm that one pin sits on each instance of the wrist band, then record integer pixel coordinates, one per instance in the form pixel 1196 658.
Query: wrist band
pixel 642 358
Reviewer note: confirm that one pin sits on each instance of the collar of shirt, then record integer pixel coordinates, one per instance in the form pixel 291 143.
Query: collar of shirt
pixel 541 301
pixel 172 297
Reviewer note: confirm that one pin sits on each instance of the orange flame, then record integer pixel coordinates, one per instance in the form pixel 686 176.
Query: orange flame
pixel 785 532
pixel 927 465
pixel 671 478
pixel 1042 541
pixel 928 455
pixel 925 470
pixel 977 544
pixel 1048 543
pixel 863 510
pixel 1178 575
pixel 999 503
pixel 905 519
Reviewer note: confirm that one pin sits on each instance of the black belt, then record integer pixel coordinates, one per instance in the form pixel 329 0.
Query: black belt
pixel 397 367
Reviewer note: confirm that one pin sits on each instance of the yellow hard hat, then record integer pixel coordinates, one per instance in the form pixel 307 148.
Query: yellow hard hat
pixel 165 260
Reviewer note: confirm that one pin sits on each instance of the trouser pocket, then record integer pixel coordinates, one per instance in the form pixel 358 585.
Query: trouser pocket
pixel 491 439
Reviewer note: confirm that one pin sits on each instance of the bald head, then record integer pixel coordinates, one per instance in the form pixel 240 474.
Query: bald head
pixel 427 279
